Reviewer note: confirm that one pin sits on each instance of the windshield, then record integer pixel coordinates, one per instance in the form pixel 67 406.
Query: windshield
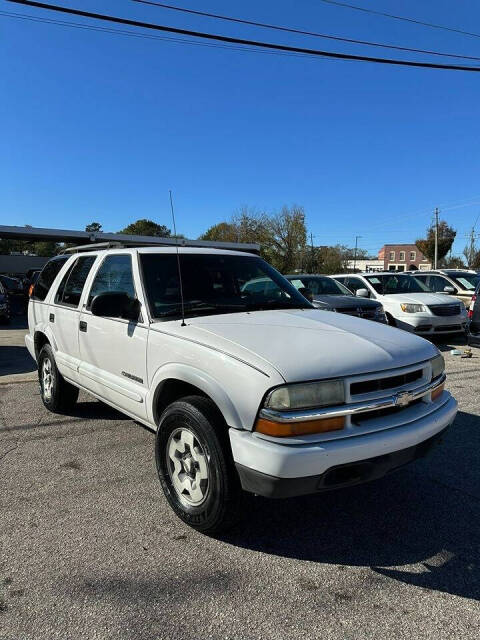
pixel 394 284
pixel 465 280
pixel 320 286
pixel 213 284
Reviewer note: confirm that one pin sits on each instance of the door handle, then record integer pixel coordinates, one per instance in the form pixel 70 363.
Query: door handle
pixel 83 326
pixel 52 317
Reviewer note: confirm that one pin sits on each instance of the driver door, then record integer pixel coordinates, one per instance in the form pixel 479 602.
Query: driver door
pixel 113 350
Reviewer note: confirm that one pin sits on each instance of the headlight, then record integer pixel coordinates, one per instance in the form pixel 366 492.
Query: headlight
pixel 438 366
pixel 304 396
pixel 380 311
pixel 412 308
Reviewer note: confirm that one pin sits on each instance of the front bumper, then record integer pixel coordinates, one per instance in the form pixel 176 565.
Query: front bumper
pixel 281 470
pixel 429 324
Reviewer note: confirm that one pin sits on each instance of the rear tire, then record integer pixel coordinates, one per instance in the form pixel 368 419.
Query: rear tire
pixel 58 395
pixel 195 465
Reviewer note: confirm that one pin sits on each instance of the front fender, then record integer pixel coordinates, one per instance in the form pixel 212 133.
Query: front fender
pixel 200 379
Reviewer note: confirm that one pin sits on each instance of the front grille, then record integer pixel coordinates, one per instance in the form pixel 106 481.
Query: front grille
pixel 445 309
pixel 449 327
pixel 360 418
pixel 351 311
pixel 379 384
pixel 368 315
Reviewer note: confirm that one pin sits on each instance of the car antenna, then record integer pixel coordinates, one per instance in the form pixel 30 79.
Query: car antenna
pixel 178 261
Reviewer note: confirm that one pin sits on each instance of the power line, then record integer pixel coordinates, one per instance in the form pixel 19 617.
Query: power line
pixel 403 18
pixel 302 32
pixel 122 32
pixel 250 43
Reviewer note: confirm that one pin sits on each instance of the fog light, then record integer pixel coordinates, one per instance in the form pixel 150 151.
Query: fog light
pixel 286 429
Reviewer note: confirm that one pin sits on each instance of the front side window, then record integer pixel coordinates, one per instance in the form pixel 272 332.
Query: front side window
pixel 47 276
pixel 354 284
pixel 70 289
pixel 113 276
pixel 213 284
pixel 437 283
pixel 321 286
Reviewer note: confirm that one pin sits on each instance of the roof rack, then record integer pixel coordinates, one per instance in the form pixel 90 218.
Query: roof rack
pixel 182 242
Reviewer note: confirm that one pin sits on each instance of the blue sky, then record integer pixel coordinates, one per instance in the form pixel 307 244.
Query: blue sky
pixel 98 126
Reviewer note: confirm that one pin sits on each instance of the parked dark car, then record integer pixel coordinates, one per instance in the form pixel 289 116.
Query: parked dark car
pixel 328 294
pixel 474 317
pixel 4 306
pixel 13 286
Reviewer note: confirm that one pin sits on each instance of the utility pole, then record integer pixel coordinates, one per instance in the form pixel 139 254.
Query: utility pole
pixel 435 262
pixel 355 254
pixel 312 263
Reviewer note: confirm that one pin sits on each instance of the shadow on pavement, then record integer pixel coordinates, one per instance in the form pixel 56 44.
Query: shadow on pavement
pixel 14 359
pixel 427 515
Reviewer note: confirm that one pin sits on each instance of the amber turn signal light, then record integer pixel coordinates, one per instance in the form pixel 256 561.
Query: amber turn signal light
pixel 30 290
pixel 285 429
pixel 437 392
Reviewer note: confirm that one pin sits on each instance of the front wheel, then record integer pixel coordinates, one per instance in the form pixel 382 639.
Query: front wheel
pixel 195 466
pixel 58 395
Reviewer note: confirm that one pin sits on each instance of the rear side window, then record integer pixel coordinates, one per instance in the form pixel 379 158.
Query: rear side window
pixel 70 289
pixel 113 275
pixel 47 276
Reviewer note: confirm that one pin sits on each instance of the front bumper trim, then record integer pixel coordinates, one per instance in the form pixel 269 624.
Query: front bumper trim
pixel 337 477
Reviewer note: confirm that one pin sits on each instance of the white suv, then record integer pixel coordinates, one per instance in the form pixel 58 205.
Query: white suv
pixel 245 389
pixel 409 304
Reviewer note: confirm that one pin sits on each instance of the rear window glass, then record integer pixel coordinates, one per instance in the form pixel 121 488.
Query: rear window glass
pixel 70 289
pixel 47 276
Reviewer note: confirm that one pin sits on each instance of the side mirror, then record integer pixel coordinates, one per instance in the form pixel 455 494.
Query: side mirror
pixel 115 305
pixel 306 293
pixel 362 293
pixel 449 289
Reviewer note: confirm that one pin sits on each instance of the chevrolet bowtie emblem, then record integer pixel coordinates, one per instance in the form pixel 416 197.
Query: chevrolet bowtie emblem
pixel 403 399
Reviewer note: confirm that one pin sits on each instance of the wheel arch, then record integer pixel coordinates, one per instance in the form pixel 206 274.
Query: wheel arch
pixel 40 339
pixel 172 382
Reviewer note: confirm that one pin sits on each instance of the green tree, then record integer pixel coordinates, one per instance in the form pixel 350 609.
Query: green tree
pixel 286 238
pixel 144 227
pixel 454 262
pixel 45 249
pixel 93 227
pixel 221 232
pixel 446 237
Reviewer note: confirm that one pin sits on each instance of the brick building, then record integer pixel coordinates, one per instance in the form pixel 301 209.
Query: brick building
pixel 403 257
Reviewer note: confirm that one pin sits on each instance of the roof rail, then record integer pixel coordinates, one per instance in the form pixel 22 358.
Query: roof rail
pixel 98 246
pixel 94 246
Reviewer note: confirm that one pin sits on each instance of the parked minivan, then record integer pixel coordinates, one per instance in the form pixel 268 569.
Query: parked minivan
pixel 409 304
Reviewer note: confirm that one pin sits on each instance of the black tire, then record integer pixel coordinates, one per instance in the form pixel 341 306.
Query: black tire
pixel 219 508
pixel 62 395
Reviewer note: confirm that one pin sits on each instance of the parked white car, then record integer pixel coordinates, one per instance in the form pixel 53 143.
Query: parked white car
pixel 408 303
pixel 245 389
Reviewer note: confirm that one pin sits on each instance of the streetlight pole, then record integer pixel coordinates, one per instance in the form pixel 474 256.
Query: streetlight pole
pixel 436 239
pixel 355 254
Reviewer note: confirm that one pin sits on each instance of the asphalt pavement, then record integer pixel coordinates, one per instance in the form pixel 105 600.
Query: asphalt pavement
pixel 90 550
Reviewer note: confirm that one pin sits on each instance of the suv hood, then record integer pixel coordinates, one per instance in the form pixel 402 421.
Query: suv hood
pixel 345 302
pixel 306 344
pixel 421 298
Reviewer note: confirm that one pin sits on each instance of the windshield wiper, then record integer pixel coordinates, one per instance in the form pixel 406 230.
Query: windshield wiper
pixel 201 306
